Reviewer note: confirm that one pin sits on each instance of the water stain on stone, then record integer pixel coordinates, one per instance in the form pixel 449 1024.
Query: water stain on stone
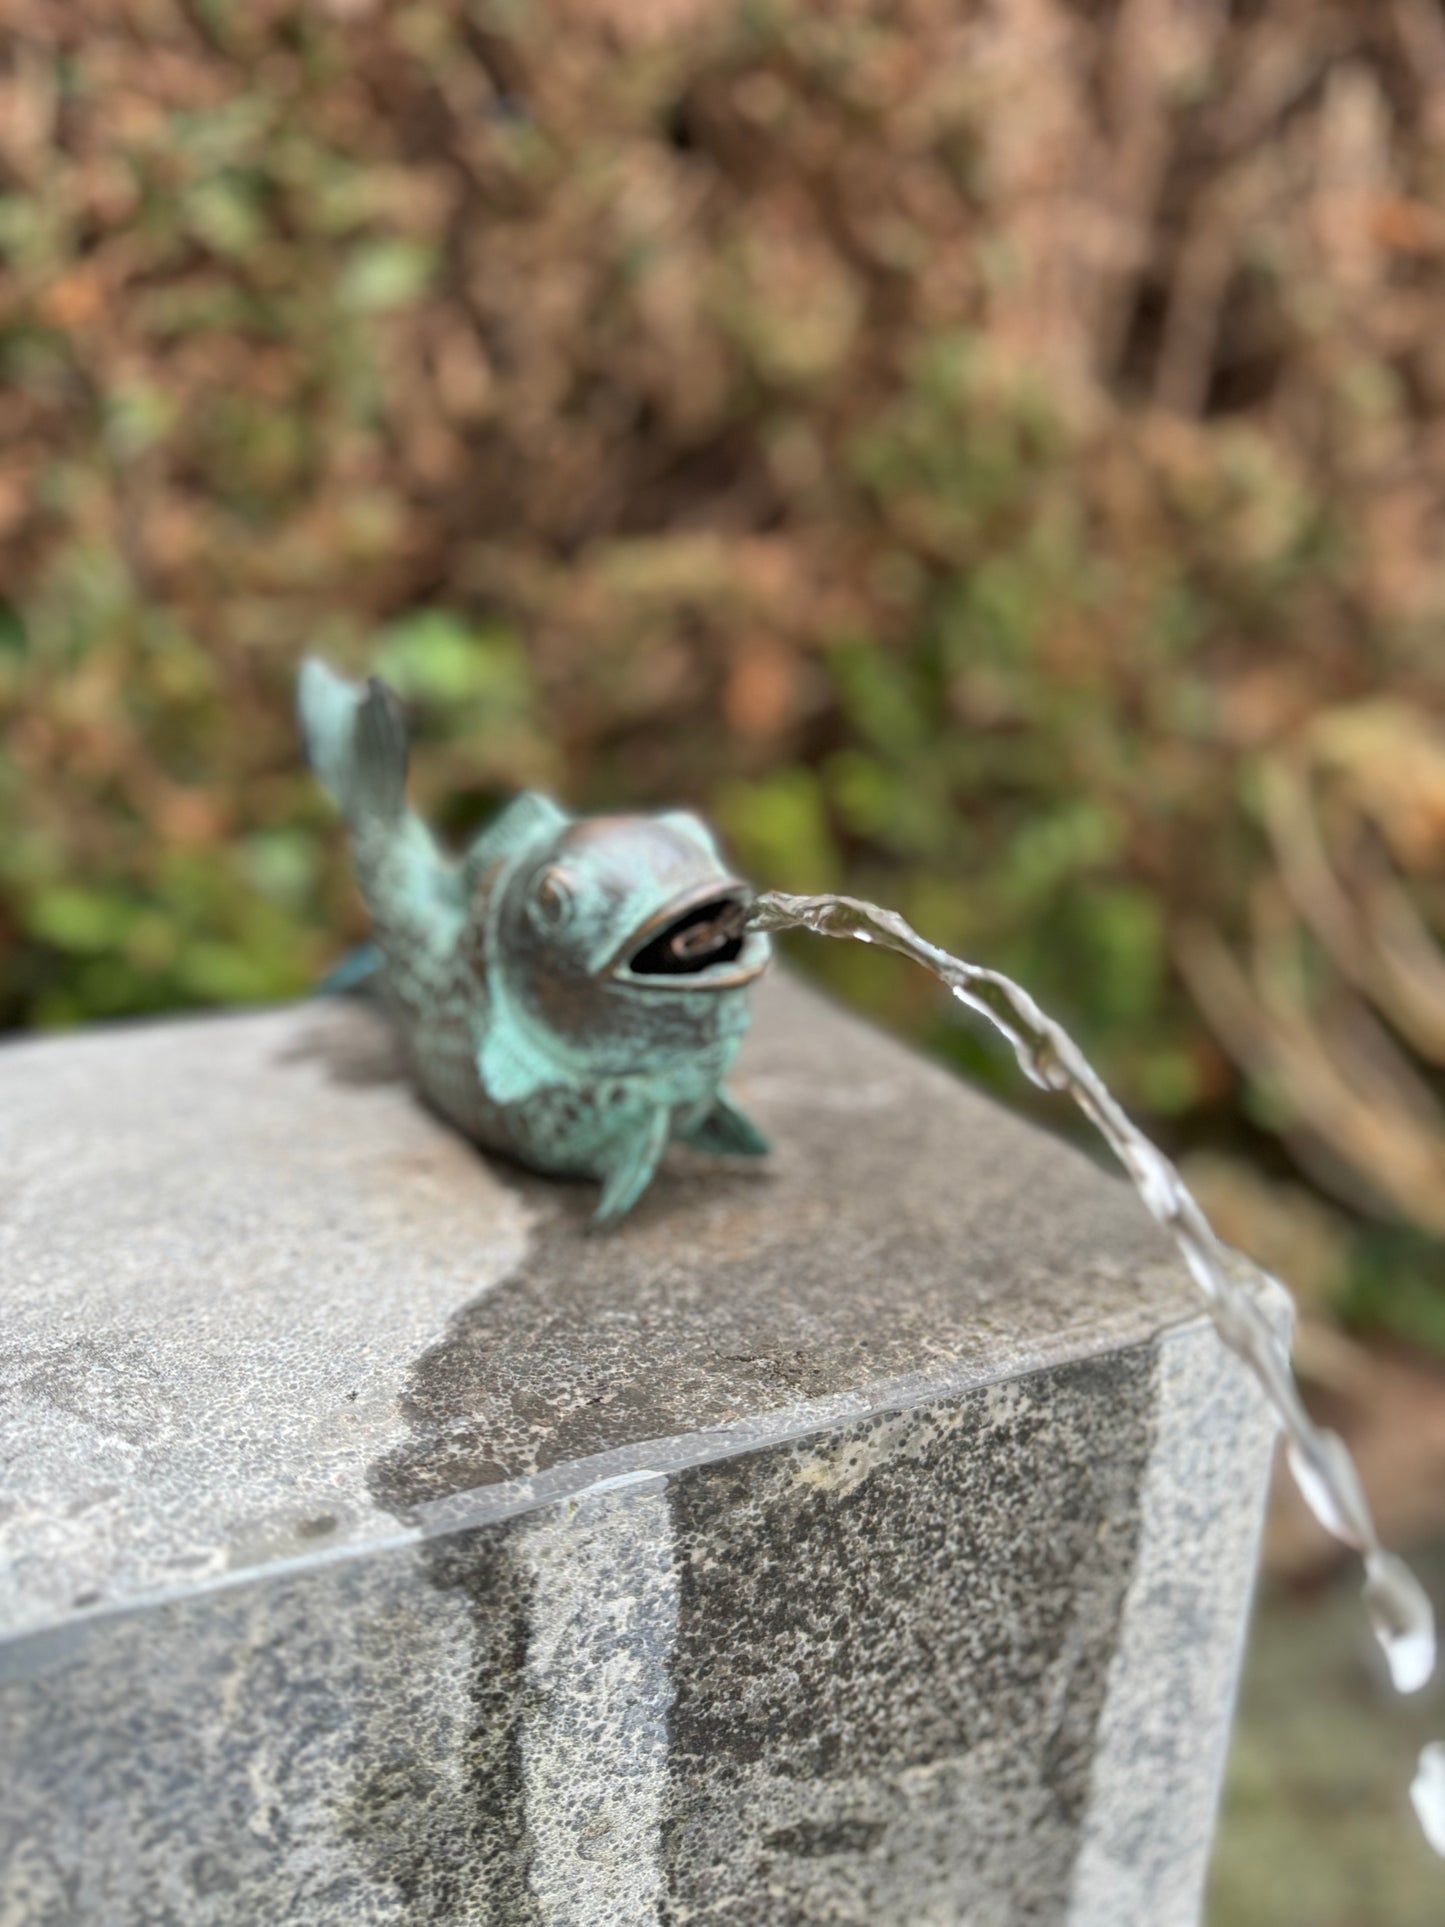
pixel 455 1845
pixel 936 1623
pixel 713 1304
pixel 918 1609
pixel 858 1258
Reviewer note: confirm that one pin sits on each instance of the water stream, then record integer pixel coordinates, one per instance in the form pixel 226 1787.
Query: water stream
pixel 1235 1290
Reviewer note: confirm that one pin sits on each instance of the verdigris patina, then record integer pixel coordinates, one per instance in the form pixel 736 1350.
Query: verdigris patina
pixel 571 992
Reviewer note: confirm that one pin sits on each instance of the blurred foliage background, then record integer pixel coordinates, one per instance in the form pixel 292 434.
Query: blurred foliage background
pixel 990 458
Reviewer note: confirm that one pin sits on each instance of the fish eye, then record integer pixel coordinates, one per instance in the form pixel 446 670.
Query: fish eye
pixel 554 901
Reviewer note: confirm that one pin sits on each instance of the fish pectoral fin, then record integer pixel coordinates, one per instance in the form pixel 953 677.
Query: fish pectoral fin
pixel 727 1131
pixel 631 1164
pixel 510 1067
pixel 356 971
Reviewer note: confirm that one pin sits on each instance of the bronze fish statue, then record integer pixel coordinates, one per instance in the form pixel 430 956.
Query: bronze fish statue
pixel 570 991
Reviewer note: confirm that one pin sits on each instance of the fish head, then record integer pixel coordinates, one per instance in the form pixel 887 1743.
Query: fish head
pixel 626 938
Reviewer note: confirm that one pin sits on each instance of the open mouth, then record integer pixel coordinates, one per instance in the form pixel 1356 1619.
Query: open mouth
pixel 710 934
pixel 700 940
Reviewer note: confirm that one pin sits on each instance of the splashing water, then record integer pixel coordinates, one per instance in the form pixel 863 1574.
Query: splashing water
pixel 1427 1790
pixel 1399 1612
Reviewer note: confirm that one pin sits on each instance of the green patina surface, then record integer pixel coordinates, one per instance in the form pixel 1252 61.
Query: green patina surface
pixel 571 992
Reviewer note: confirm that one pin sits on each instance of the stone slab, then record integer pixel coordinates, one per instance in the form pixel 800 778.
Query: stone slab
pixel 863 1538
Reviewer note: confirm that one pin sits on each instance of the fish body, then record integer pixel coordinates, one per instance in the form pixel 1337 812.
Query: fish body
pixel 570 991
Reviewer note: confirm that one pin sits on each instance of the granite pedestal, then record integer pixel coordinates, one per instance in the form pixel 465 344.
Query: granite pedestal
pixel 866 1537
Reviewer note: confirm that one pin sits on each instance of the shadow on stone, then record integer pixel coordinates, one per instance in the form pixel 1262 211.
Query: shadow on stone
pixel 355 1056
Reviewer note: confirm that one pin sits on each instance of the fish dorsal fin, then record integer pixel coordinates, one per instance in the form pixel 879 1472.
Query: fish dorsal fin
pixel 510 1065
pixel 528 819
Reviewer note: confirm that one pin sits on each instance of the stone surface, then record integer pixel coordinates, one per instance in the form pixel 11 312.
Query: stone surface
pixel 863 1538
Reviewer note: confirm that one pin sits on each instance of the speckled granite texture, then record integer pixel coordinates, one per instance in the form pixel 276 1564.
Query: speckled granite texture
pixel 866 1538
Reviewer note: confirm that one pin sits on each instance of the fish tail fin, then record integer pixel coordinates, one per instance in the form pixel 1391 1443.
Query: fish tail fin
pixel 356 972
pixel 355 742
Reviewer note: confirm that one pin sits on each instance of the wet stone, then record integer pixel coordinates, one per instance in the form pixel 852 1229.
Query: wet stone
pixel 862 1537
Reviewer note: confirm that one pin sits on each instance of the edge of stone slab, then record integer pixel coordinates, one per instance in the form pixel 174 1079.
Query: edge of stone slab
pixel 633 1466
pixel 670 1450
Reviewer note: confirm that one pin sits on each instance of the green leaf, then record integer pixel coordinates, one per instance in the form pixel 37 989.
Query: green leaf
pixel 80 920
pixel 780 828
pixel 14 639
pixel 381 275
pixel 476 679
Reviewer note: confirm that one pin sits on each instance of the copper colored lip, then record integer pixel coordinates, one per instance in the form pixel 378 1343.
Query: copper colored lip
pixel 721 977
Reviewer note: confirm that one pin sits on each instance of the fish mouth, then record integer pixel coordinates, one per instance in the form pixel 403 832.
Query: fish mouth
pixel 699 941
